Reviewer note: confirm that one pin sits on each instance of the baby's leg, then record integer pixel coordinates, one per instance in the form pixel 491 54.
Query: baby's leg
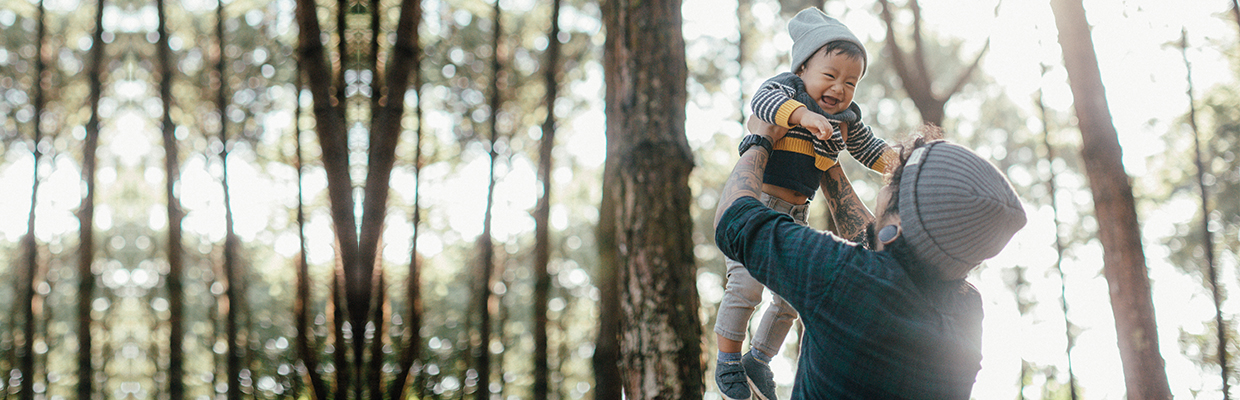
pixel 776 322
pixel 740 297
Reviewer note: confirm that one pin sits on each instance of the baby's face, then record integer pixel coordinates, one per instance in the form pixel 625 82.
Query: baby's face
pixel 831 79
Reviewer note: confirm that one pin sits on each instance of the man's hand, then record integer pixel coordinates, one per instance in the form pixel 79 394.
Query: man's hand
pixel 771 131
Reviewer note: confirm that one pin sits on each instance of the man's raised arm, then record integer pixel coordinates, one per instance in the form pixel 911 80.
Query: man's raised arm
pixel 850 214
pixel 746 178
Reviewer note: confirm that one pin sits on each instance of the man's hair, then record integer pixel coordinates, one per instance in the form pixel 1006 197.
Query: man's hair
pixel 846 48
pixel 900 249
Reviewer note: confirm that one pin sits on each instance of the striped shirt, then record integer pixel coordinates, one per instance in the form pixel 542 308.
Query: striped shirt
pixel 774 103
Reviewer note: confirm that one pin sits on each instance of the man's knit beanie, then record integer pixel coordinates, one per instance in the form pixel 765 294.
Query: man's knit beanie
pixel 810 29
pixel 956 209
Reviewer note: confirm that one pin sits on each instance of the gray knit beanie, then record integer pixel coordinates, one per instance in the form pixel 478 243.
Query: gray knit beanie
pixel 810 29
pixel 956 209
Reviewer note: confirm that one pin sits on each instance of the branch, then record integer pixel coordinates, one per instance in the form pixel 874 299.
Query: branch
pixel 964 76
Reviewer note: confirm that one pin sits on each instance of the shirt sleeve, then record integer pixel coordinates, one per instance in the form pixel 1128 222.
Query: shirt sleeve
pixel 773 102
pixel 867 149
pixel 794 261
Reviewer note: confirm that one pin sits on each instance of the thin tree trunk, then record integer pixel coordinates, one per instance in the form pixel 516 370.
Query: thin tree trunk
pixel 27 274
pixel 542 212
pixel 374 380
pixel 1120 234
pixel 645 71
pixel 1207 237
pixel 1059 247
pixel 301 306
pixel 172 173
pixel 86 216
pixel 232 356
pixel 486 297
pixel 341 349
pixel 413 289
pixel 606 360
pixel 342 52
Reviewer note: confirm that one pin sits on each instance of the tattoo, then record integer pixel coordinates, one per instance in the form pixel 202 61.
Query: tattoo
pixel 746 180
pixel 850 214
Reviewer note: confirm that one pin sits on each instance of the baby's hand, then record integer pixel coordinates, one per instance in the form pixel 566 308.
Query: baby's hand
pixel 817 124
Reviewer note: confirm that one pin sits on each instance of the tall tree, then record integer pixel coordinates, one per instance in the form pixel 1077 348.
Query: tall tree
pixel 86 214
pixel 412 348
pixel 915 74
pixel 1207 240
pixel 542 212
pixel 487 303
pixel 301 304
pixel 1123 256
pixel 172 173
pixel 358 249
pixel 1059 247
pixel 606 360
pixel 645 72
pixel 30 247
pixel 232 280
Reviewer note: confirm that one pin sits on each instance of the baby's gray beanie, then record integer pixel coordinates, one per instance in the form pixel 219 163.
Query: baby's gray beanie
pixel 810 29
pixel 956 209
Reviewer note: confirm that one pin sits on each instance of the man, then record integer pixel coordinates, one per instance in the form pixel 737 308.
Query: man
pixel 896 320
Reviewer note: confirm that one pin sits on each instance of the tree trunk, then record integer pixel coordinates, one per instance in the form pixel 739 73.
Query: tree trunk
pixel 340 355
pixel 645 71
pixel 27 275
pixel 86 216
pixel 1207 236
pixel 1124 259
pixel 301 305
pixel 486 298
pixel 172 173
pixel 413 289
pixel 542 212
pixel 232 355
pixel 1059 247
pixel 916 77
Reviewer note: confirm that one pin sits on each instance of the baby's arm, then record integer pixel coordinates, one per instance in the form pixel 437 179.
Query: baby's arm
pixel 816 123
pixel 773 102
pixel 866 148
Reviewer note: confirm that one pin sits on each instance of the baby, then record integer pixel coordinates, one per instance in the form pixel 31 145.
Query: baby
pixel 814 101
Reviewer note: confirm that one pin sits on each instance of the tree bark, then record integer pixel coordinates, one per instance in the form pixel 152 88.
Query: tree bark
pixel 1118 229
pixel 645 71
pixel 172 173
pixel 542 212
pixel 340 358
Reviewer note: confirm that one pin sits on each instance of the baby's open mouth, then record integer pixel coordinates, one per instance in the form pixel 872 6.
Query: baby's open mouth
pixel 828 101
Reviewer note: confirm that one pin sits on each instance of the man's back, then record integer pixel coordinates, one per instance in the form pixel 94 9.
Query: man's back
pixel 871 332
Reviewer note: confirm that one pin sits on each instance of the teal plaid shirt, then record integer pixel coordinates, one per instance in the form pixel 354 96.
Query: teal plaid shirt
pixel 870 331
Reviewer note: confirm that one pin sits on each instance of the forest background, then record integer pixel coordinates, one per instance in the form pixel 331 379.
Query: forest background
pixel 252 177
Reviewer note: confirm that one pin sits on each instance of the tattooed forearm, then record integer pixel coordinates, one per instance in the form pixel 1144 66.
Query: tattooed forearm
pixel 850 214
pixel 746 180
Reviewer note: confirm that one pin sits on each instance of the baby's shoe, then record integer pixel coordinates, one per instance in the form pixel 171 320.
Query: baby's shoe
pixel 730 377
pixel 761 379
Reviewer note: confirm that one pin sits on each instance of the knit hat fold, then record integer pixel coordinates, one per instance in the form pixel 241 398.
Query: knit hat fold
pixel 956 209
pixel 810 29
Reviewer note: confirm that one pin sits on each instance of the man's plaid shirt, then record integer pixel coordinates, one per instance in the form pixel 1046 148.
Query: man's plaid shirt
pixel 870 331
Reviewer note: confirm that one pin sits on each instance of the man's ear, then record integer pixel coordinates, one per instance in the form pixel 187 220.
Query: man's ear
pixel 889 233
pixel 890 229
